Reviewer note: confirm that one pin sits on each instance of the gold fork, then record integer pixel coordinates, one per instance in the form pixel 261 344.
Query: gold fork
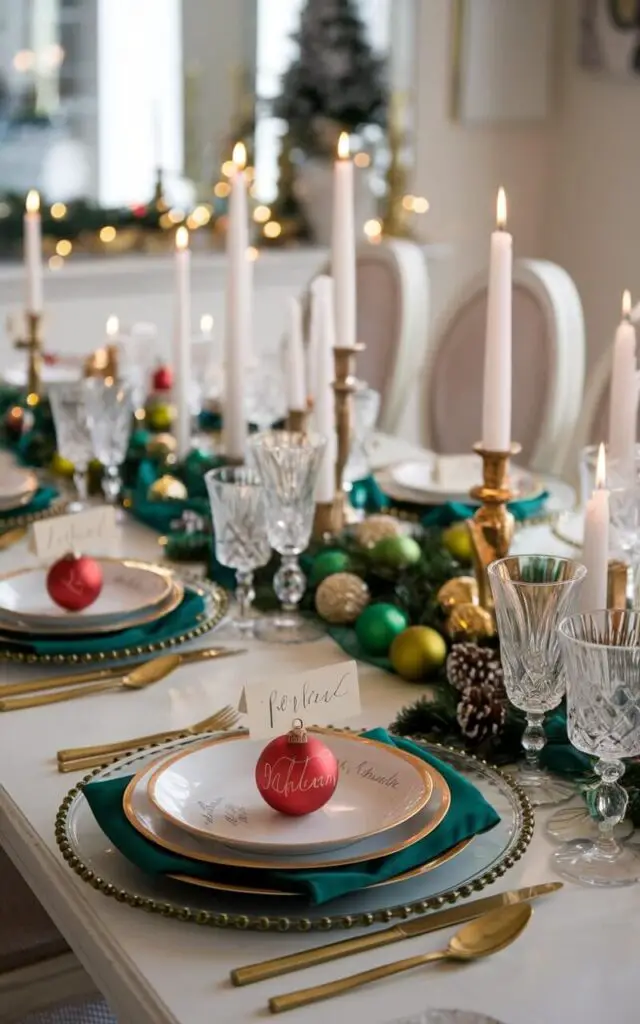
pixel 225 718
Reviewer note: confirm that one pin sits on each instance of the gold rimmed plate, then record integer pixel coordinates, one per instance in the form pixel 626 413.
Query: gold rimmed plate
pixel 147 820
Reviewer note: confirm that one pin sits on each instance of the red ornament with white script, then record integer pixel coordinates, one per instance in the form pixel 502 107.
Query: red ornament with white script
pixel 74 582
pixel 297 773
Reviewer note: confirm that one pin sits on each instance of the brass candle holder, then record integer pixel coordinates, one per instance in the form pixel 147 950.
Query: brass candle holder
pixel 326 519
pixel 344 386
pixel 617 578
pixel 297 421
pixel 492 526
pixel 32 344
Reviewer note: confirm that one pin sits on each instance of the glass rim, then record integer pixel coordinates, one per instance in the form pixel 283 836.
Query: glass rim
pixel 215 476
pixel 312 439
pixel 580 575
pixel 625 613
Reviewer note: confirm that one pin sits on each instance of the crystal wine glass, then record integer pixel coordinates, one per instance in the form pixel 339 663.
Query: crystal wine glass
pixel 601 655
pixel 69 411
pixel 266 400
pixel 532 593
pixel 288 464
pixel 110 407
pixel 366 406
pixel 239 514
pixel 624 513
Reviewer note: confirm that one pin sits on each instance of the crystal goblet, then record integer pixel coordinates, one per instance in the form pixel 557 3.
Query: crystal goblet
pixel 265 400
pixel 288 465
pixel 532 593
pixel 69 411
pixel 110 408
pixel 237 499
pixel 601 655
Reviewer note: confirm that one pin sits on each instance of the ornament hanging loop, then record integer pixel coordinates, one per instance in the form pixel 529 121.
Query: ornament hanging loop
pixel 298 733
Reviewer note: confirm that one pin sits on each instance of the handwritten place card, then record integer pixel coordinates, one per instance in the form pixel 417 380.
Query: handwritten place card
pixel 91 532
pixel 323 696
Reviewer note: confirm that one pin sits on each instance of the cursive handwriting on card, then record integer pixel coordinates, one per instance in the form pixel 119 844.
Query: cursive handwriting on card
pixel 91 532
pixel 324 696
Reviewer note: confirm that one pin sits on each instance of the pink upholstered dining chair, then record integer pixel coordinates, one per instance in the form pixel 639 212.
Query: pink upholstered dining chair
pixel 392 321
pixel 548 367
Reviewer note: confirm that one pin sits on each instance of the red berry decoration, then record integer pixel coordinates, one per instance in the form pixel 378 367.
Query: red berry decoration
pixel 163 378
pixel 74 582
pixel 297 773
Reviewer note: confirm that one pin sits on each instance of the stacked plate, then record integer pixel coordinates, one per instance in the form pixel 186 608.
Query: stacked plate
pixel 133 594
pixel 202 803
pixel 17 487
pixel 439 479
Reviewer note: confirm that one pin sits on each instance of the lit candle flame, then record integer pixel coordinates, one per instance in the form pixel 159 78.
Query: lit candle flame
pixel 33 201
pixel 206 323
pixel 501 209
pixel 626 303
pixel 182 238
pixel 343 146
pixel 240 156
pixel 113 326
pixel 601 468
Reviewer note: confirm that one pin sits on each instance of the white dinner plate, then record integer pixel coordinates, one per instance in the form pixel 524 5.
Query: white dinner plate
pixel 451 477
pixel 129 587
pixel 17 486
pixel 78 626
pixel 211 791
pixel 569 526
pixel 148 821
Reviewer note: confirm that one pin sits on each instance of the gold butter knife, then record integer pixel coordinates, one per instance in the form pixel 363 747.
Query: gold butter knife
pixel 11 537
pixel 158 667
pixel 408 929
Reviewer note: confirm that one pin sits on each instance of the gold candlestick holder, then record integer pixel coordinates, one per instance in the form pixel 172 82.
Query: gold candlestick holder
pixel 326 520
pixel 32 344
pixel 492 526
pixel 617 578
pixel 297 421
pixel 344 386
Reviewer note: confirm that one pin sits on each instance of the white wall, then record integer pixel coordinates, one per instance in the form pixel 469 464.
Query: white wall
pixel 593 210
pixel 459 168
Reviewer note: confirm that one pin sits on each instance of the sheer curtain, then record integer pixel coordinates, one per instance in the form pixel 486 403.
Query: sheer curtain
pixel 275 50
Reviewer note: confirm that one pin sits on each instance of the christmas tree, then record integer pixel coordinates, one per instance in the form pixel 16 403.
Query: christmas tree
pixel 336 82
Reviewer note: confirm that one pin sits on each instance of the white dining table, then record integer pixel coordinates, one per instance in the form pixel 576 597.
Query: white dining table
pixel 577 960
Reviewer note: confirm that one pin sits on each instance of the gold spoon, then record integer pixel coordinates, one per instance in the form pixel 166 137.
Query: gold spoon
pixel 485 935
pixel 11 537
pixel 139 678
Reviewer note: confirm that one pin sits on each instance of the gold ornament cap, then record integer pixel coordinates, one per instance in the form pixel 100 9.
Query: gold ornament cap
pixel 167 488
pixel 470 622
pixel 297 733
pixel 457 591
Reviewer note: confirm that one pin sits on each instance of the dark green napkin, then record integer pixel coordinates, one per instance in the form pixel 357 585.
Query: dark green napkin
pixel 168 627
pixel 367 495
pixel 469 815
pixel 41 500
pixel 159 515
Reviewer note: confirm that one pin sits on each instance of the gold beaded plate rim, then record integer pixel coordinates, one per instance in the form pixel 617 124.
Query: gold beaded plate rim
pixel 215 609
pixel 523 832
pixel 56 508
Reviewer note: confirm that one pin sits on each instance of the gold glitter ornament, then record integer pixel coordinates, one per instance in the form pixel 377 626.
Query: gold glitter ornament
pixel 375 528
pixel 167 488
pixel 341 598
pixel 159 446
pixel 470 622
pixel 459 590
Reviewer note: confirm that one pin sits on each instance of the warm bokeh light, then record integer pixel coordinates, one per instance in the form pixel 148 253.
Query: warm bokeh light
pixel 200 215
pixel 206 323
pixel 372 229
pixel 501 209
pixel 362 160
pixel 58 211
pixel 64 247
pixel 222 189
pixel 626 303
pixel 343 146
pixel 228 168
pixel 272 229
pixel 261 214
pixel 239 156
pixel 107 233
pixel 252 253
pixel 420 204
pixel 165 221
pixel 33 399
pixel 24 60
pixel 32 204
pixel 56 263
pixel 407 202
pixel 175 215
pixel 601 467
pixel 113 326
pixel 182 238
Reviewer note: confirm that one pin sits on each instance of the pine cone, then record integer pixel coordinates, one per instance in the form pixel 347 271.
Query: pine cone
pixel 471 665
pixel 481 713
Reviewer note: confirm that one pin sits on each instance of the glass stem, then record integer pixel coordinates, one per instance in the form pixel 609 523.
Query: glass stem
pixel 81 483
pixel 289 583
pixel 610 803
pixel 111 484
pixel 533 740
pixel 244 593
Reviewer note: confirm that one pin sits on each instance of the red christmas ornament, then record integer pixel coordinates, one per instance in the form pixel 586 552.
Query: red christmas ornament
pixel 163 378
pixel 74 582
pixel 297 773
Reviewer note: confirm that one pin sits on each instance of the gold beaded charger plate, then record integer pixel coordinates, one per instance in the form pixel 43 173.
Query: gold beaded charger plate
pixel 214 607
pixel 149 822
pixel 210 791
pixel 91 856
pixel 56 508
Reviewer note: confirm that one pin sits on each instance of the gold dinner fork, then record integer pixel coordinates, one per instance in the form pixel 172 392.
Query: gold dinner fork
pixel 74 758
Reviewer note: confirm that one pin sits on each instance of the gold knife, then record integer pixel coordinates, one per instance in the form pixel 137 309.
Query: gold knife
pixel 407 930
